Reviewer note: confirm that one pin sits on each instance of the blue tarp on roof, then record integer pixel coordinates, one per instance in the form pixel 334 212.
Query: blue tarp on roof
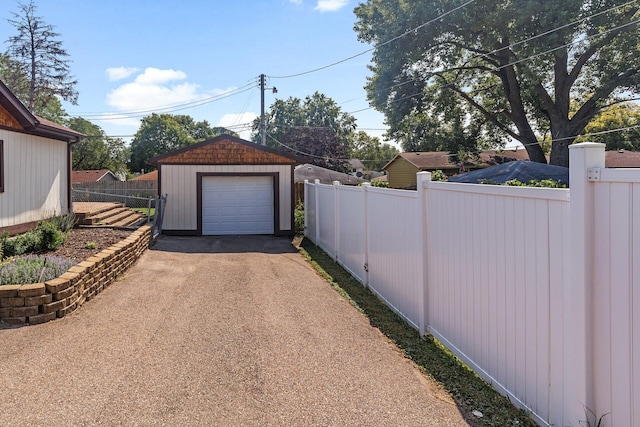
pixel 522 170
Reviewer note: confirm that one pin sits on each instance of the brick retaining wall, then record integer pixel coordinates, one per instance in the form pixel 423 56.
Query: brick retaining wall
pixel 41 302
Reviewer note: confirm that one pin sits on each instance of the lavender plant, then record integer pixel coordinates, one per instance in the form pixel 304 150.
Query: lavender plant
pixel 33 269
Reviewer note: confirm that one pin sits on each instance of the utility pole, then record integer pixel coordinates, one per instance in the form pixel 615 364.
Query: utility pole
pixel 263 123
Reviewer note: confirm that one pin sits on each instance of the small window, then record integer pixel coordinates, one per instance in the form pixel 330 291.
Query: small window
pixel 1 166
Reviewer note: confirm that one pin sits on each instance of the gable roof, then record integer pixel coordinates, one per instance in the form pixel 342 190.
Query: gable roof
pixel 149 176
pixel 224 150
pixel 622 159
pixel 90 175
pixel 326 176
pixel 33 124
pixel 434 160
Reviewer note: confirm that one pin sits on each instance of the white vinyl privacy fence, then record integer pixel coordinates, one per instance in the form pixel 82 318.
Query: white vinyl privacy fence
pixel 535 289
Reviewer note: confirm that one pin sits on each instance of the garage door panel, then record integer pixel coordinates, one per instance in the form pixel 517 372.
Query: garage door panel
pixel 237 205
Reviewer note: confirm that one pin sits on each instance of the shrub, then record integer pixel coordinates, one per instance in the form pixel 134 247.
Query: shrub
pixel 380 184
pixel 298 218
pixel 33 269
pixel 63 223
pixel 438 175
pixel 51 238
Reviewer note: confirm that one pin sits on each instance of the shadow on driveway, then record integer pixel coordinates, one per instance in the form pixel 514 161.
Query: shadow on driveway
pixel 224 244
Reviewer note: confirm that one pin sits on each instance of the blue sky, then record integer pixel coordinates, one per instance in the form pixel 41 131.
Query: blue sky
pixel 140 55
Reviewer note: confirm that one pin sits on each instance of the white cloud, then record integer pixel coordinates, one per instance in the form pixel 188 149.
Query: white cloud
pixel 119 73
pixel 156 76
pixel 330 5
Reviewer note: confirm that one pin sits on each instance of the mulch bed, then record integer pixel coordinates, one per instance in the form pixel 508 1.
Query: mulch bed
pixel 75 246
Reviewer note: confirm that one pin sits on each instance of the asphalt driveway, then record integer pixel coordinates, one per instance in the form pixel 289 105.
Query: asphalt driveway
pixel 234 331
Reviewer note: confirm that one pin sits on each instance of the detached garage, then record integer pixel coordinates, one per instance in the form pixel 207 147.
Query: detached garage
pixel 226 185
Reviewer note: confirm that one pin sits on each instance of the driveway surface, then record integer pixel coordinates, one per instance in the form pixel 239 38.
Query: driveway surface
pixel 233 331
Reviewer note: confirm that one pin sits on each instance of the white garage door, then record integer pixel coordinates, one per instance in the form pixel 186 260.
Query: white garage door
pixel 237 205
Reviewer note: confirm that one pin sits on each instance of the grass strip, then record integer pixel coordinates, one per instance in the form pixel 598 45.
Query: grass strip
pixel 469 391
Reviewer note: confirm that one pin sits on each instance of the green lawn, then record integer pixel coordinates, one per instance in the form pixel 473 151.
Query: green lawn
pixel 145 211
pixel 468 390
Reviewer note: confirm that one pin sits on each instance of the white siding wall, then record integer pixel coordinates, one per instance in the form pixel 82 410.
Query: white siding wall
pixel 35 178
pixel 180 183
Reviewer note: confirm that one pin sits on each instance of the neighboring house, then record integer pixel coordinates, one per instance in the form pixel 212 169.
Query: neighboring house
pixel 622 159
pixel 226 185
pixel 149 176
pixel 401 170
pixel 92 176
pixel 326 176
pixel 35 166
pixel 357 168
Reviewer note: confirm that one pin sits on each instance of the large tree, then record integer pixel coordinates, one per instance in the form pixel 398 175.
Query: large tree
pixel 617 127
pixel 315 110
pixel 40 57
pixel 318 146
pixel 513 67
pixel 161 133
pixel 373 154
pixel 97 150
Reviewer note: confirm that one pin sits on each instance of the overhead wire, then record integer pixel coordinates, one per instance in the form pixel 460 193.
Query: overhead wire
pixel 487 54
pixel 413 30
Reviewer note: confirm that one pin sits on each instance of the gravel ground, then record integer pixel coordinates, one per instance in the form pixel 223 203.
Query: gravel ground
pixel 215 332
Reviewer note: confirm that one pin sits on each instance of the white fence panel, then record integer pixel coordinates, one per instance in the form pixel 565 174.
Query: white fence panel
pixel 537 293
pixel 326 217
pixel 394 250
pixel 351 223
pixel 310 211
pixel 491 277
pixel 616 296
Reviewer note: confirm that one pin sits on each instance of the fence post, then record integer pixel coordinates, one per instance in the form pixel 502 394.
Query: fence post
pixel 578 294
pixel 306 210
pixel 317 209
pixel 422 178
pixel 365 213
pixel 336 219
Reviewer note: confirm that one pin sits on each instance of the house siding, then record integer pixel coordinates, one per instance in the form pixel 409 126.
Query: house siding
pixel 180 183
pixel 401 173
pixel 35 178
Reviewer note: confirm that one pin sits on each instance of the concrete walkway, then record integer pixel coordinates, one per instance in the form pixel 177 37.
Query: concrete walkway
pixel 235 331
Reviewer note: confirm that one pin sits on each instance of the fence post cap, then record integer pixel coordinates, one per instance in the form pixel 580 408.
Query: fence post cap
pixel 336 182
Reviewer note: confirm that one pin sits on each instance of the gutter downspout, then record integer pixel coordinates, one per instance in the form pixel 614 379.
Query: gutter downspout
pixel 70 143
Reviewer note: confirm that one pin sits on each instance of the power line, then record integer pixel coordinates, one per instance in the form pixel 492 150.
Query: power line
pixel 170 107
pixel 373 48
pixel 487 54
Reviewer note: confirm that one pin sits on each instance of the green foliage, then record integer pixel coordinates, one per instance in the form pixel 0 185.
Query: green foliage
pixel 162 133
pixel 470 77
pixel 438 175
pixel 316 111
pixel 90 245
pixel 545 183
pixel 619 116
pixel 50 237
pixel 298 219
pixel 97 150
pixel 63 223
pixel 380 184
pixel 321 147
pixel 371 152
pixel 45 237
pixel 33 269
